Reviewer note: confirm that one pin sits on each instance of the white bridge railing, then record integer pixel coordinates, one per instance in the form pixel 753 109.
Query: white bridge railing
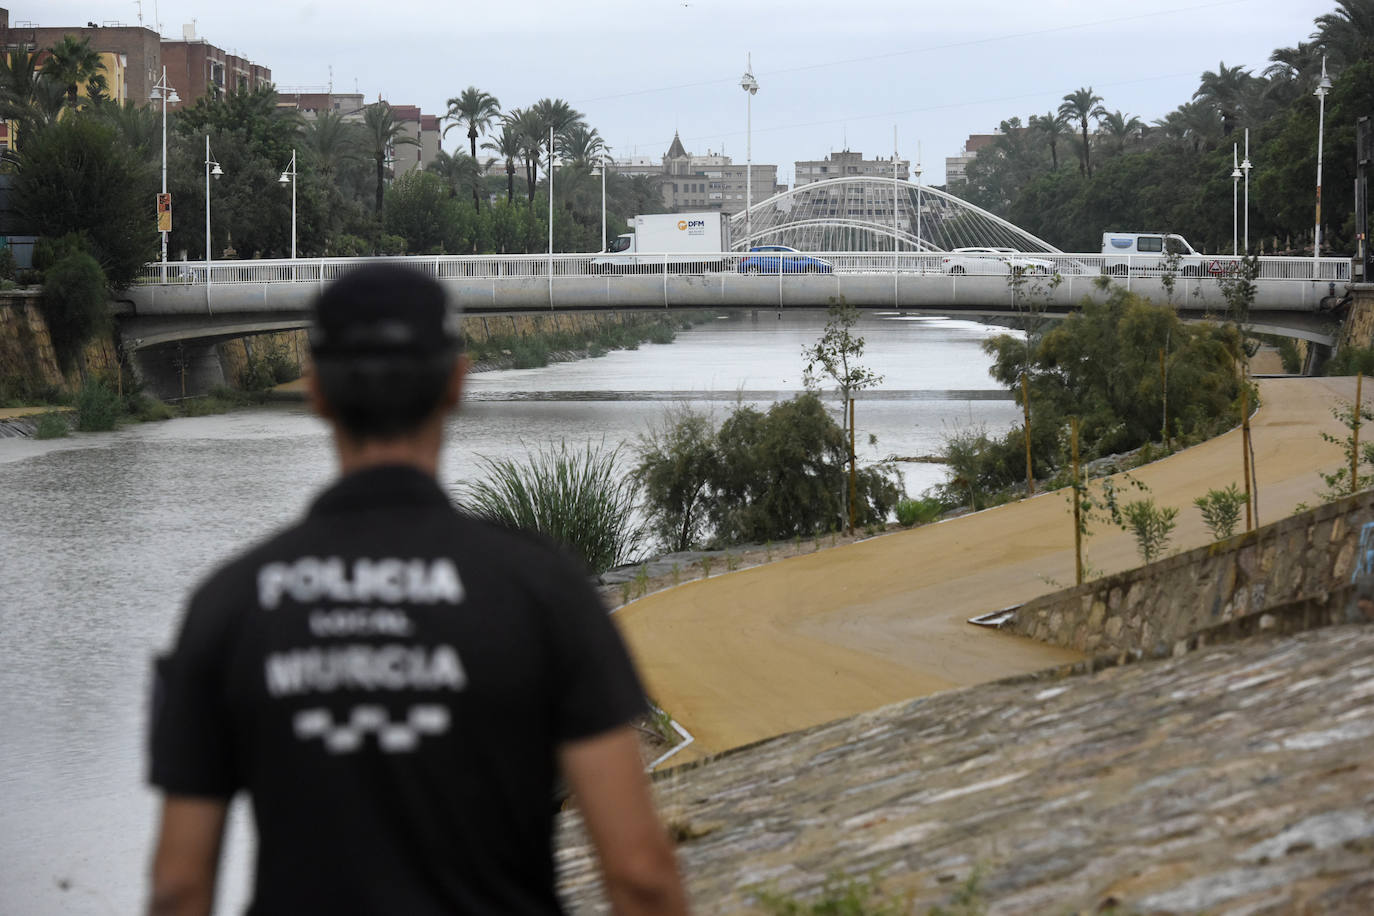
pixel 1035 267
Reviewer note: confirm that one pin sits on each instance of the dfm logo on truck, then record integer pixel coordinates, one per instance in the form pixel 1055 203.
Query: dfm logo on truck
pixel 692 226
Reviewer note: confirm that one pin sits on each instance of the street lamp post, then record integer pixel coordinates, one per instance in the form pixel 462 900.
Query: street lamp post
pixel 1323 88
pixel 290 176
pixel 164 93
pixel 750 87
pixel 551 216
pixel 918 197
pixel 1235 203
pixel 212 169
pixel 604 166
pixel 1245 167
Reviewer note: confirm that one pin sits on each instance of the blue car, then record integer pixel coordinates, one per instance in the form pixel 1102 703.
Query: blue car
pixel 770 259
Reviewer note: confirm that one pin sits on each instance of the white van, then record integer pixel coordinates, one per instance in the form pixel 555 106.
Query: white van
pixel 1145 252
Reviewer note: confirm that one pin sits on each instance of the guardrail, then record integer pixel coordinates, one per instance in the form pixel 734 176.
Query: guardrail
pixel 1033 266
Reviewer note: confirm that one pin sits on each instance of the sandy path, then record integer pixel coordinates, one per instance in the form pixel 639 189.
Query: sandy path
pixel 758 652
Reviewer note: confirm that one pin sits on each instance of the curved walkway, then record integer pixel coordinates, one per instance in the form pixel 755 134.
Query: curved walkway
pixel 756 653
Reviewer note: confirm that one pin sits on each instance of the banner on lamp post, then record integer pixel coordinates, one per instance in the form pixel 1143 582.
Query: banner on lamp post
pixel 164 213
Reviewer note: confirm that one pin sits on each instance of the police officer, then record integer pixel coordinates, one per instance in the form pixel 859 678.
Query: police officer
pixel 394 684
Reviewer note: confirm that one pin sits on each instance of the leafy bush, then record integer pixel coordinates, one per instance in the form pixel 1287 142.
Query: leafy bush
pixel 764 475
pixel 660 332
pixel 529 353
pixel 147 409
pixel 52 425
pixel 97 407
pixel 1151 526
pixel 1221 511
pixel 581 500
pixel 73 304
pixel 1350 361
pixel 917 511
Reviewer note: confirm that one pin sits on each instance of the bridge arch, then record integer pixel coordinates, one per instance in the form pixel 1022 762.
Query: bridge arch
pixel 855 213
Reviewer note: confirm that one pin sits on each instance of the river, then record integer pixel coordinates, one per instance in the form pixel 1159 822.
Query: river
pixel 102 534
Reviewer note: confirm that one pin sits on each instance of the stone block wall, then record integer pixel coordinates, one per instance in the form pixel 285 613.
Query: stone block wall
pixel 1150 609
pixel 1358 328
pixel 27 360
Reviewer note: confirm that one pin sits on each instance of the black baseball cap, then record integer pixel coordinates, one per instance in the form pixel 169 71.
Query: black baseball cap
pixel 383 310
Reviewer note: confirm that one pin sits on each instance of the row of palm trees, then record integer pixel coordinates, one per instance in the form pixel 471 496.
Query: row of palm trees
pixel 1226 98
pixel 521 137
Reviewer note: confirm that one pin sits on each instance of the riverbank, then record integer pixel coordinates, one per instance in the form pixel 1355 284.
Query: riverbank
pixel 784 646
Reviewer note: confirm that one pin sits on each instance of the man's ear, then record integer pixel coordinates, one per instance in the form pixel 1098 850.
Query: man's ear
pixel 315 396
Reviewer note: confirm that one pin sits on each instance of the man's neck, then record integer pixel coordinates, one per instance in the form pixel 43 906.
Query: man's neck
pixel 419 451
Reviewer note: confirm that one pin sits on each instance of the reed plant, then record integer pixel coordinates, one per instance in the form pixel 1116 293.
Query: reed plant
pixel 578 498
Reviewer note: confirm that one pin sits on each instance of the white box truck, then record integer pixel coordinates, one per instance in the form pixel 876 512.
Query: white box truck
pixel 690 242
pixel 1148 253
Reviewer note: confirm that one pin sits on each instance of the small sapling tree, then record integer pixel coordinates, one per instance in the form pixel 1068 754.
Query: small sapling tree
pixel 1221 511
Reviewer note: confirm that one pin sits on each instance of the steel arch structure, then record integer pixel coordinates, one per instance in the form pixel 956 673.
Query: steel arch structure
pixel 857 214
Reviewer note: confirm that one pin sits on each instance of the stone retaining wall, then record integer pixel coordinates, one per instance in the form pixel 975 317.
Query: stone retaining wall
pixel 1150 609
pixel 27 360
pixel 1358 327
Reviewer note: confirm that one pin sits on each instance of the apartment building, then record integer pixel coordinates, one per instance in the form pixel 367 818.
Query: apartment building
pixel 702 182
pixel 132 54
pixel 197 68
pixel 847 164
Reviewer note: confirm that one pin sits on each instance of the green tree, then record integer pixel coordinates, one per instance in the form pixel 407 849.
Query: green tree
pixel 76 178
pixel 835 355
pixel 73 61
pixel 507 146
pixel 1081 105
pixel 383 133
pixel 1222 90
pixel 74 303
pixel 420 210
pixel 477 110
pixel 678 461
pixel 1052 128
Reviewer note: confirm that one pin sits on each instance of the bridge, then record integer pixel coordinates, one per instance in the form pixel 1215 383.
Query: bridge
pixel 879 244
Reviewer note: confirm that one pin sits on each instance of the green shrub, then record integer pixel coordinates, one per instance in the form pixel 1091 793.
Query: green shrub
pixel 581 500
pixel 73 304
pixel 1150 525
pixel 917 511
pixel 660 332
pixel 530 353
pixel 1221 511
pixel 1351 360
pixel 52 425
pixel 97 407
pixel 147 409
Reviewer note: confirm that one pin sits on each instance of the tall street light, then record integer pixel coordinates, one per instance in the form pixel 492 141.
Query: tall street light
pixel 1323 88
pixel 164 93
pixel 918 198
pixel 212 169
pixel 1245 167
pixel 750 87
pixel 603 168
pixel 290 176
pixel 1235 203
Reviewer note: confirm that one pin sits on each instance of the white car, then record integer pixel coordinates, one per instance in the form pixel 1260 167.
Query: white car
pixel 994 261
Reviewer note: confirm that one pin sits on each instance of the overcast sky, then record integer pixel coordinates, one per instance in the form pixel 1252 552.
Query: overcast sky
pixel 833 74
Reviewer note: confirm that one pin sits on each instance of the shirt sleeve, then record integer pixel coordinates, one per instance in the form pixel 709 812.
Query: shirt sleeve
pixel 595 685
pixel 191 732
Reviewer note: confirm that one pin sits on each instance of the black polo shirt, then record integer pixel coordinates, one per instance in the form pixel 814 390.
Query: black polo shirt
pixel 389 680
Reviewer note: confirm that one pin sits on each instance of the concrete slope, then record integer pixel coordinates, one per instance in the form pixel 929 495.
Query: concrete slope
pixel 763 651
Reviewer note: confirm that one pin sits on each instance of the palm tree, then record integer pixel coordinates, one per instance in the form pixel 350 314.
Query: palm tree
pixel 459 170
pixel 1119 127
pixel 1222 90
pixel 1080 106
pixel 1347 34
pixel 139 125
pixel 530 136
pixel 1052 127
pixel 507 146
pixel 583 145
pixel 383 133
pixel 554 117
pixel 477 110
pixel 73 61
pixel 333 140
pixel 24 90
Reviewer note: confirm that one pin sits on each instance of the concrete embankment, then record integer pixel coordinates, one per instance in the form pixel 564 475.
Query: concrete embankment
pixel 1230 780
